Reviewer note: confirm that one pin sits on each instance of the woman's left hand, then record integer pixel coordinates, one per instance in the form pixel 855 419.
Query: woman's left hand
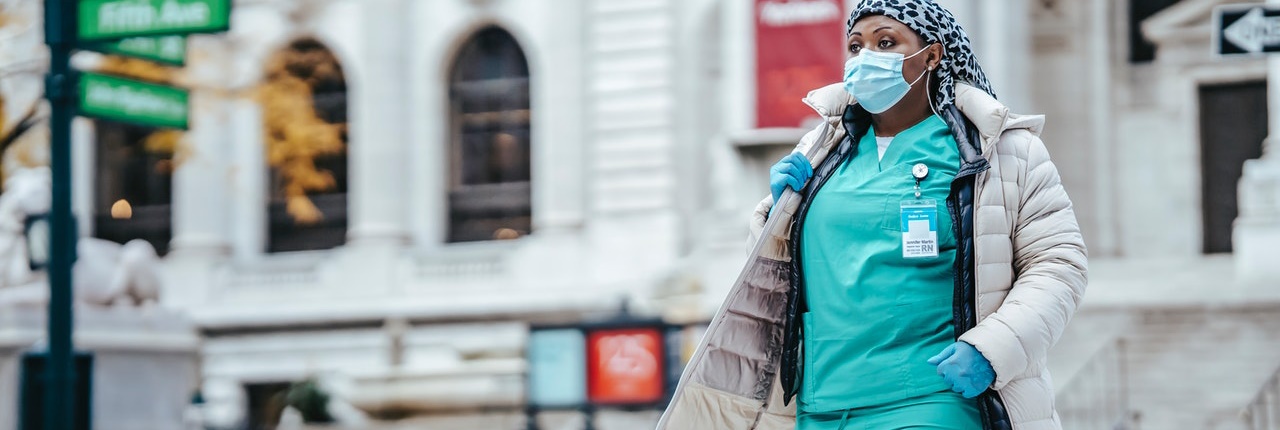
pixel 964 367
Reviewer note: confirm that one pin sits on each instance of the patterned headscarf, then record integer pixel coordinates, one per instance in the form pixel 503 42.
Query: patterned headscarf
pixel 936 25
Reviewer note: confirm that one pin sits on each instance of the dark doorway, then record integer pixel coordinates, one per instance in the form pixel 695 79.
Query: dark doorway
pixel 266 402
pixel 1233 123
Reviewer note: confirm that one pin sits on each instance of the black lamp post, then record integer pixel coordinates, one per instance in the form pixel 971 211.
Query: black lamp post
pixel 60 33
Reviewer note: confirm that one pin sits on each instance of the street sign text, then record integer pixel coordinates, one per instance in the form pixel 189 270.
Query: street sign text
pixel 132 101
pixel 171 50
pixel 116 19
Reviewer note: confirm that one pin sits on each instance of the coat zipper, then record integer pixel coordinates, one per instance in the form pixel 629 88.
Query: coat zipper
pixel 958 286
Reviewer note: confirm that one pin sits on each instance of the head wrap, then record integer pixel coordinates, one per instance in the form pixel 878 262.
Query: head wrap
pixel 936 25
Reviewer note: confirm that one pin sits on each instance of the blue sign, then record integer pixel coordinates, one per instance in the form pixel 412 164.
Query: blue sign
pixel 557 368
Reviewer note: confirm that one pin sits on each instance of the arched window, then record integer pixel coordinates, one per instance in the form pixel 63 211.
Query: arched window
pixel 304 101
pixel 134 176
pixel 489 180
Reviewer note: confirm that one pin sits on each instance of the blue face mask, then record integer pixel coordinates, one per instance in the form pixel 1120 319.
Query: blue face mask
pixel 875 79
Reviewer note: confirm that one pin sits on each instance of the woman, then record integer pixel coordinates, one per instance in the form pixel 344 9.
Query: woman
pixel 928 261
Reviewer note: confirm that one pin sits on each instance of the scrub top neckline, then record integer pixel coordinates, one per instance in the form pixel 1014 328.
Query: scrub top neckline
pixel 901 142
pixel 882 145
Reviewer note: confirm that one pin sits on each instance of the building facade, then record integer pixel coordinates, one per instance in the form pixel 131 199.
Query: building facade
pixel 493 165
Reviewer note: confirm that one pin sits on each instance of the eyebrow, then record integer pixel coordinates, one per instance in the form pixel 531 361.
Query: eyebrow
pixel 873 31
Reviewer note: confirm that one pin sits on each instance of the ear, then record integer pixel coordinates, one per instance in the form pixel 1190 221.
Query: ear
pixel 935 56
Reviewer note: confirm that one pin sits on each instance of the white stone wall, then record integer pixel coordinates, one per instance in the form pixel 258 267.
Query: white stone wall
pixel 645 168
pixel 596 238
pixel 1157 132
pixel 638 187
pixel 399 140
pixel 397 152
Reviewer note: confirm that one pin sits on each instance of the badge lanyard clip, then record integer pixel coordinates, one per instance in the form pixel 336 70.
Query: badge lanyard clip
pixel 919 171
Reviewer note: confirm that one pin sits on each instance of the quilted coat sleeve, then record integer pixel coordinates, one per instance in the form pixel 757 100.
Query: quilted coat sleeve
pixel 761 214
pixel 1049 264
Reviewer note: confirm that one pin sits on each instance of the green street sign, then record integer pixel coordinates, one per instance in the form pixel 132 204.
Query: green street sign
pixel 170 50
pixel 127 100
pixel 118 19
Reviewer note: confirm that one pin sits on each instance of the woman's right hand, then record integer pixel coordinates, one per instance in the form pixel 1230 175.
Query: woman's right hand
pixel 792 171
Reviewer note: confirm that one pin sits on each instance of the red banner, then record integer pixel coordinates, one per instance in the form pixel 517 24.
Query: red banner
pixel 625 366
pixel 799 48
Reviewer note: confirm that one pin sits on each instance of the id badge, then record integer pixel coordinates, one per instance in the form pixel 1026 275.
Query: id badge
pixel 919 229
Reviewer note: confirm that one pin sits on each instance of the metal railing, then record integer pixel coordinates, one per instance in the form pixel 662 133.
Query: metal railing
pixel 1263 413
pixel 1097 398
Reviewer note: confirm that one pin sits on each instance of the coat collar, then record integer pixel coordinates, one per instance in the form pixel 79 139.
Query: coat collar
pixel 830 102
pixel 991 117
pixel 988 115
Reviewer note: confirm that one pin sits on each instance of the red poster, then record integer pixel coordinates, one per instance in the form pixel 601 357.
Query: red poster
pixel 799 48
pixel 625 366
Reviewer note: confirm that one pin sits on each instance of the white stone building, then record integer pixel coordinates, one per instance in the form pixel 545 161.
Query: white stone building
pixel 622 163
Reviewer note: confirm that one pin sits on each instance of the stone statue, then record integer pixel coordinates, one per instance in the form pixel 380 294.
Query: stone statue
pixel 105 273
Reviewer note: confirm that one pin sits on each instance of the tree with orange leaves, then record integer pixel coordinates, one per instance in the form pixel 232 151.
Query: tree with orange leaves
pixel 295 133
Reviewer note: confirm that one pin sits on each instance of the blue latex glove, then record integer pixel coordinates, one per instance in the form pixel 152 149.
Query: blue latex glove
pixel 964 367
pixel 792 171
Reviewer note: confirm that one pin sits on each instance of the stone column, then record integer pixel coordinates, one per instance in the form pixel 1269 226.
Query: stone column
pixel 379 144
pixel 1005 52
pixel 201 215
pixel 1100 219
pixel 1000 32
pixel 1257 228
pixel 200 183
pixel 248 179
pixel 738 56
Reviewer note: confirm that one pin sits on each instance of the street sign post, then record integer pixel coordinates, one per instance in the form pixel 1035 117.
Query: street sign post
pixel 132 101
pixel 1249 29
pixel 117 19
pixel 171 50
pixel 59 89
pixel 68 25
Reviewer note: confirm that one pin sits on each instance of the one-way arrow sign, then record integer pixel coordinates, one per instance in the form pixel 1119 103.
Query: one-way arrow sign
pixel 1246 29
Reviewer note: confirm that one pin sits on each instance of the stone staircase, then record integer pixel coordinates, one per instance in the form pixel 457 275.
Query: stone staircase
pixel 1187 367
pixel 1263 413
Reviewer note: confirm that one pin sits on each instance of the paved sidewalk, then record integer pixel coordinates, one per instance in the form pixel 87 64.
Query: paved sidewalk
pixel 1207 282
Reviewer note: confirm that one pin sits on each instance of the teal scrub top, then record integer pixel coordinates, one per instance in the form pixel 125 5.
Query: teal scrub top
pixel 875 317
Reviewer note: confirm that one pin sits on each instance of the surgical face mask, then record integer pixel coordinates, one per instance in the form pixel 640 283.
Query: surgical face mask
pixel 875 79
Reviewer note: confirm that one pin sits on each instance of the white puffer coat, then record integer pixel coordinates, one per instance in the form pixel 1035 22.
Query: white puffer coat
pixel 1030 271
